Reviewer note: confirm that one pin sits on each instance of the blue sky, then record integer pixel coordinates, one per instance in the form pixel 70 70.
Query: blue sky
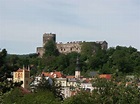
pixel 23 22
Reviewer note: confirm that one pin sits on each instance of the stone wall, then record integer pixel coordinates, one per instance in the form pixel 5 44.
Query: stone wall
pixel 69 47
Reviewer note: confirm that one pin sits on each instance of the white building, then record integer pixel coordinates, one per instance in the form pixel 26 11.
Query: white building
pixel 86 86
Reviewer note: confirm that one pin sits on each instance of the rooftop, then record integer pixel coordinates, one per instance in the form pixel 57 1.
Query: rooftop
pixel 21 70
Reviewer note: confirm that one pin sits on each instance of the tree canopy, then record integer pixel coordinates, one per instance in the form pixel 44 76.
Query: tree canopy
pixel 50 49
pixel 121 60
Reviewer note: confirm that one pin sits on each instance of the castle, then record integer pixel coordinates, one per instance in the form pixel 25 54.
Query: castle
pixel 66 47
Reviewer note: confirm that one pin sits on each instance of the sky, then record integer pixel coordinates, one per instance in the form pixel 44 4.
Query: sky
pixel 23 22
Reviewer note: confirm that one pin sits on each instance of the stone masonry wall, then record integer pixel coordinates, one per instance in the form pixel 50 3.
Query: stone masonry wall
pixel 69 47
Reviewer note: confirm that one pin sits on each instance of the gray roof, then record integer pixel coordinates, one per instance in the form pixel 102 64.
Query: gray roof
pixel 93 73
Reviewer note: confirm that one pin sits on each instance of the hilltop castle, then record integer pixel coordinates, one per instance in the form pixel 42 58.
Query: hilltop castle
pixel 65 47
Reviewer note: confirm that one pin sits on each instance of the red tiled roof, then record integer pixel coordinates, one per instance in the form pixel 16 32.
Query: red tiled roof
pixel 21 70
pixel 107 76
pixel 70 76
pixel 53 74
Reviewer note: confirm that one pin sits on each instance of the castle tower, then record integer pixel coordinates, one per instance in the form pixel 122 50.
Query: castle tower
pixel 77 70
pixel 47 37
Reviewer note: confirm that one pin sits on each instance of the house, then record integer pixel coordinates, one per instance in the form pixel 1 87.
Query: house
pixel 86 85
pixel 62 81
pixel 72 82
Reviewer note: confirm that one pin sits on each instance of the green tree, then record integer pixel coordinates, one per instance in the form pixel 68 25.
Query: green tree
pixel 41 97
pixel 121 59
pixel 82 97
pixel 50 49
pixel 50 85
pixel 62 62
pixel 114 92
pixel 3 65
pixel 5 72
pixel 90 48
pixel 13 96
pixel 106 69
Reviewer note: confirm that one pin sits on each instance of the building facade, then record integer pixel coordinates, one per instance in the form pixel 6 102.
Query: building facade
pixel 22 75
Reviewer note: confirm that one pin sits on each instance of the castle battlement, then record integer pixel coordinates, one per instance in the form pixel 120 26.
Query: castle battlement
pixel 72 42
pixel 48 34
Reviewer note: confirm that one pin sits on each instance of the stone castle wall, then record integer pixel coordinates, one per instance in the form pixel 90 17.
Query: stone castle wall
pixel 65 47
pixel 69 47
